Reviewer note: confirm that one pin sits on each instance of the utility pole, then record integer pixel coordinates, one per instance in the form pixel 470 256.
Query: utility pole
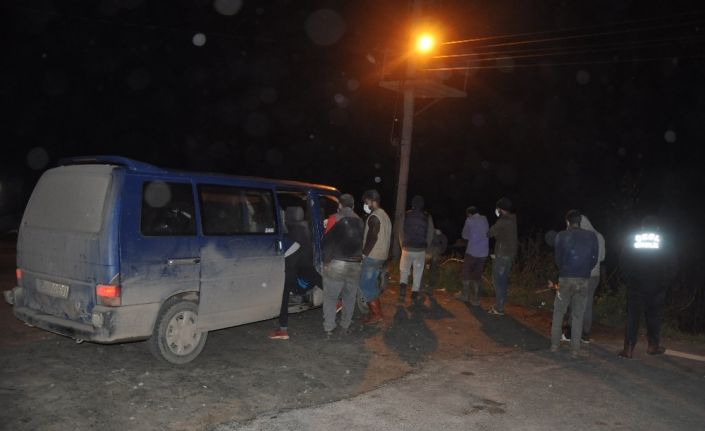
pixel 406 137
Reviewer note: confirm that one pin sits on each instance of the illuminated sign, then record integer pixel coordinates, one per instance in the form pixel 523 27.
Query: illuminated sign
pixel 647 240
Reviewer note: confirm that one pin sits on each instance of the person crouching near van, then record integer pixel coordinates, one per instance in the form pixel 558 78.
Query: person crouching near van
pixel 342 254
pixel 375 251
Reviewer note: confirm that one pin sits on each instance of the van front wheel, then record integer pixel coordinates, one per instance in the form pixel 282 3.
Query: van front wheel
pixel 176 338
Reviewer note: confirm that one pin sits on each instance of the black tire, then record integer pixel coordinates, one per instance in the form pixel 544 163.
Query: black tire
pixel 175 342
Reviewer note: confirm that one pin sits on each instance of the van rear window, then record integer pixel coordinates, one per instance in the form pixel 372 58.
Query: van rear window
pixel 70 199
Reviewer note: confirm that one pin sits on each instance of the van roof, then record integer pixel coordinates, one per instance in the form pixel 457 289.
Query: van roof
pixel 146 168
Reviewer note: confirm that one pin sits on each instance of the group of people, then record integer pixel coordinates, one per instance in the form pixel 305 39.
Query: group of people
pixel 477 233
pixel 354 253
pixel 646 266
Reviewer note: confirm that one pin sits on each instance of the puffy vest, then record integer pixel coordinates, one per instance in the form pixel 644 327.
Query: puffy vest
pixel 415 229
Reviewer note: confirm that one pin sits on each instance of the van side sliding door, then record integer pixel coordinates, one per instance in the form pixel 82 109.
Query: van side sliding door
pixel 242 264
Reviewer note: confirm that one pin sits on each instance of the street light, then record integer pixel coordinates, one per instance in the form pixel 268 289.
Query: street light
pixel 425 43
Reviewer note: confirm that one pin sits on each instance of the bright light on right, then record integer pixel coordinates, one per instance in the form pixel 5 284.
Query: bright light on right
pixel 425 43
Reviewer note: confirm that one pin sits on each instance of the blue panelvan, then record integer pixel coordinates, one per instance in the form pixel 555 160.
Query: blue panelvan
pixel 111 250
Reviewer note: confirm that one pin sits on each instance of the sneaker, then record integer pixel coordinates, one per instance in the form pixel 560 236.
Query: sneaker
pixel 564 338
pixel 585 339
pixel 495 312
pixel 279 334
pixel 329 335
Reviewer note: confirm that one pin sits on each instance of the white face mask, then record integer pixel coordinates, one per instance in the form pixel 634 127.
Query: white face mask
pixel 497 213
pixel 366 208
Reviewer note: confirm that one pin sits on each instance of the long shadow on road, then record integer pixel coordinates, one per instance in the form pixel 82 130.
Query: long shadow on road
pixel 507 331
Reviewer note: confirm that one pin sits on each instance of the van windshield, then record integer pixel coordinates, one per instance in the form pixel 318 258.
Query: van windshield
pixel 70 198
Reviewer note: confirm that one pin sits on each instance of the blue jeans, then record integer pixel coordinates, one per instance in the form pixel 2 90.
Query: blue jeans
pixel 369 274
pixel 501 267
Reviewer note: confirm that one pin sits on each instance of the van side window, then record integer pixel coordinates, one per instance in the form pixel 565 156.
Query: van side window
pixel 167 209
pixel 234 211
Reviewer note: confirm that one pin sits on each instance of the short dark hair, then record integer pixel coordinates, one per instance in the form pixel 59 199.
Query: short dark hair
pixel 573 217
pixel 346 200
pixel 372 195
pixel 471 210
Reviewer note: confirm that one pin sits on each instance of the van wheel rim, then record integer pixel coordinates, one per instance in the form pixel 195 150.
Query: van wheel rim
pixel 181 335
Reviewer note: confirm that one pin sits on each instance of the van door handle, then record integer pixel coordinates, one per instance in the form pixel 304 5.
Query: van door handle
pixel 185 261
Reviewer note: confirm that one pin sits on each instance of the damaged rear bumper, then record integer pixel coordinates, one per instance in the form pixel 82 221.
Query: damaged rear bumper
pixel 108 324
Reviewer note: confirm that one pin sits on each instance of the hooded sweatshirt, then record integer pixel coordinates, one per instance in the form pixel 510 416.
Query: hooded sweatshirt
pixel 585 224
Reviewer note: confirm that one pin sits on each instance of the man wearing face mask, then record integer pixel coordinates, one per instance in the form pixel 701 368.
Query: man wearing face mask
pixel 504 231
pixel 375 251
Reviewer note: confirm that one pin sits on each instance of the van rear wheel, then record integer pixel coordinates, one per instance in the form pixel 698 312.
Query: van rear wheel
pixel 176 338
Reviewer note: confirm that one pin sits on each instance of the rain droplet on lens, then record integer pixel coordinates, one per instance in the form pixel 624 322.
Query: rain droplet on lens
pixel 157 194
pixel 324 27
pixel 378 180
pixel 478 120
pixel 199 39
pixel 227 7
pixel 37 158
pixel 670 136
pixel 353 84
pixel 583 77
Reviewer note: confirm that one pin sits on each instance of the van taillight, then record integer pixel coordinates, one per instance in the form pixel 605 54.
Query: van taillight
pixel 18 274
pixel 108 294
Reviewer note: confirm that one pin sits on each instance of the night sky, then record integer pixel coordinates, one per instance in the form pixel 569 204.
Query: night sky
pixel 290 89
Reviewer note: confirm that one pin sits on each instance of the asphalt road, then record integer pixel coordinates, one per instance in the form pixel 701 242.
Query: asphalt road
pixel 519 391
pixel 438 366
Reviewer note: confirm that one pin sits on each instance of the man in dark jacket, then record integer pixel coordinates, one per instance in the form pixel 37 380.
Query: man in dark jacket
pixel 342 252
pixel 576 253
pixel 506 244
pixel 415 237
pixel 648 267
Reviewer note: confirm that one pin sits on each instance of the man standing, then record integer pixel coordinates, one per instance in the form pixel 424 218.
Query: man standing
pixel 594 281
pixel 414 238
pixel 475 233
pixel 649 266
pixel 342 252
pixel 375 251
pixel 504 231
pixel 576 254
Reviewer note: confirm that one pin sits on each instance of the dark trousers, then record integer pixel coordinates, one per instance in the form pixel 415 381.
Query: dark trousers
pixel 293 269
pixel 648 304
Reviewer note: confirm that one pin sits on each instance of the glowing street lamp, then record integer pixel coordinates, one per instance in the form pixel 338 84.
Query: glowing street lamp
pixel 425 43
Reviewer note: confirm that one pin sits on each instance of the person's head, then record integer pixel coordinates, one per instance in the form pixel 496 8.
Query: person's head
pixel 504 206
pixel 371 200
pixel 417 203
pixel 573 218
pixel 346 200
pixel 471 211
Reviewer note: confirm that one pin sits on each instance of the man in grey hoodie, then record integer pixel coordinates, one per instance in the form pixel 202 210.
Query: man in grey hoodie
pixel 594 280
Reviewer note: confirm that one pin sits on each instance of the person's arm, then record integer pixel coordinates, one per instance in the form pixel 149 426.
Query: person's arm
pixel 466 230
pixel 373 226
pixel 495 229
pixel 594 251
pixel 430 232
pixel 558 254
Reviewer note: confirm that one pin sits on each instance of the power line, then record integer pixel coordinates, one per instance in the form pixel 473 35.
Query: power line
pixel 588 35
pixel 576 63
pixel 567 30
pixel 560 48
pixel 595 49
